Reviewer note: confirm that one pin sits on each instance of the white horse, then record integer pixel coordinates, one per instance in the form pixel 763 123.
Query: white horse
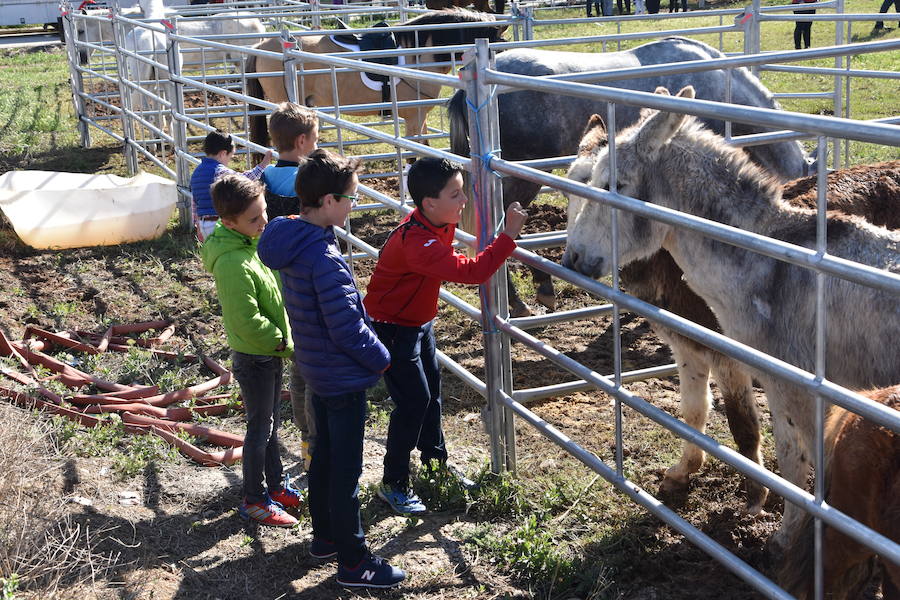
pixel 671 160
pixel 95 31
pixel 150 44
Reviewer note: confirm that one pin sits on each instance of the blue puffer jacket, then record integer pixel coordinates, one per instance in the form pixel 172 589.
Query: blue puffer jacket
pixel 334 345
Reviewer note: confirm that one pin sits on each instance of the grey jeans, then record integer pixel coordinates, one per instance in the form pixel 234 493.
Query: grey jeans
pixel 302 407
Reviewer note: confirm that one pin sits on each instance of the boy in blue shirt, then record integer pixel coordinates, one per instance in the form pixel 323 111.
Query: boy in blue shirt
pixel 339 356
pixel 295 132
pixel 219 150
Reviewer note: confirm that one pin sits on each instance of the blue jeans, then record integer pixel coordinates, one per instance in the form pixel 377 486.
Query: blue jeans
pixel 414 382
pixel 334 473
pixel 260 381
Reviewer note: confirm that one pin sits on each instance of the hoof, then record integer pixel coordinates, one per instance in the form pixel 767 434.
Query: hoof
pixel 520 311
pixel 548 300
pixel 673 490
pixel 756 498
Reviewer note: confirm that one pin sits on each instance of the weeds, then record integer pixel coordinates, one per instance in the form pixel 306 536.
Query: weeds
pixel 41 548
pixel 9 587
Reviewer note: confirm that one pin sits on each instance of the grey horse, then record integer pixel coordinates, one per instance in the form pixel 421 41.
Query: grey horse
pixel 539 125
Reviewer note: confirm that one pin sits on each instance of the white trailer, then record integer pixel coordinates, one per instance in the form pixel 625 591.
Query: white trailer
pixel 29 12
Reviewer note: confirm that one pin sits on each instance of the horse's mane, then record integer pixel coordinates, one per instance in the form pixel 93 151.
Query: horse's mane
pixel 450 36
pixel 695 137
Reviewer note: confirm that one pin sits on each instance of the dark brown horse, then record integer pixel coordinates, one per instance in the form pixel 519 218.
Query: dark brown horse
pixel 862 472
pixel 869 191
pixel 480 5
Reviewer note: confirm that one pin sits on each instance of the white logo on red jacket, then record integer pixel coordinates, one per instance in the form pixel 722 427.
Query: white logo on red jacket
pixel 429 242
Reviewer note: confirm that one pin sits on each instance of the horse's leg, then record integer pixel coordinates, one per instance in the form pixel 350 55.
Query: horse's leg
pixel 787 405
pixel 693 383
pixel 736 388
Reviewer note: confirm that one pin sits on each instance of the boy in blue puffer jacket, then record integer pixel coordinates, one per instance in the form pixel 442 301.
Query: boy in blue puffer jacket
pixel 339 356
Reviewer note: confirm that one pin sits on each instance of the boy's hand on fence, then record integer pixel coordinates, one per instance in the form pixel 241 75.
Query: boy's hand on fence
pixel 266 159
pixel 515 219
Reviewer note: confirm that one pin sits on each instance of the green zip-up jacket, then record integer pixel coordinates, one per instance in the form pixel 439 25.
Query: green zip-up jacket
pixel 249 293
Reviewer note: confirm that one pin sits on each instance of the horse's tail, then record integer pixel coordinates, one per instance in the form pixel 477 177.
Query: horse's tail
pixel 259 129
pixel 459 144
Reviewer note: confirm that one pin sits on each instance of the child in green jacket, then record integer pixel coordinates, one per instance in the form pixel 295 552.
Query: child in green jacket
pixel 259 337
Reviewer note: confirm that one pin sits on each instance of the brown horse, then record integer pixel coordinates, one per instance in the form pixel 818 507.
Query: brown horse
pixel 862 472
pixel 869 191
pixel 316 89
pixel 480 5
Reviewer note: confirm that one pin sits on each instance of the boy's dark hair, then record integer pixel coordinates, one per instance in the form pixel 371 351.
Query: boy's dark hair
pixel 288 122
pixel 233 193
pixel 217 141
pixel 428 176
pixel 323 173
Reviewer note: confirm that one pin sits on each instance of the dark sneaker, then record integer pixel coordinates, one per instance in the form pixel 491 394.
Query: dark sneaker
pixel 287 497
pixel 266 512
pixel 322 549
pixel 371 572
pixel 403 502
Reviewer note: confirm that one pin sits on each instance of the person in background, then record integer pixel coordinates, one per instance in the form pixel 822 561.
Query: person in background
pixel 295 133
pixel 879 25
pixel 219 150
pixel 803 29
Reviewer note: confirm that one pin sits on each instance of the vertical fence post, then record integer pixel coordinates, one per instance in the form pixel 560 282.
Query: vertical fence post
pixel 487 196
pixel 75 76
pixel 402 6
pixel 288 43
pixel 179 127
pixel 838 88
pixel 316 14
pixel 528 25
pixel 124 97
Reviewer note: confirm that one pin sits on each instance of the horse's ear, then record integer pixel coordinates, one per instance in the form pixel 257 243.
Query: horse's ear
pixel 687 92
pixel 661 126
pixel 662 91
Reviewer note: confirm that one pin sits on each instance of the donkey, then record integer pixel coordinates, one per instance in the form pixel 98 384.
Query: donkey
pixel 862 472
pixel 672 160
pixel 870 191
pixel 542 125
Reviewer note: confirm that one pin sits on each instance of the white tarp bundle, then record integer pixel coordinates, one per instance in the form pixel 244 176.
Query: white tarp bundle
pixel 55 210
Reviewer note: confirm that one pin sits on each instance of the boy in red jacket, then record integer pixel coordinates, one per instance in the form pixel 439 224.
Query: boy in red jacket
pixel 402 300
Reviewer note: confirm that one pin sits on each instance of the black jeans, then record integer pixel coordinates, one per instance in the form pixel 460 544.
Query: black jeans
pixel 260 381
pixel 884 8
pixel 414 382
pixel 802 33
pixel 334 473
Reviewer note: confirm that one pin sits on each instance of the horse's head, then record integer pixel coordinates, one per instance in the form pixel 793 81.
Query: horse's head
pixel 638 148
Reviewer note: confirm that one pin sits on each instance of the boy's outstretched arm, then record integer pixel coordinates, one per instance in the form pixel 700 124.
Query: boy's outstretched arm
pixel 428 257
pixel 337 296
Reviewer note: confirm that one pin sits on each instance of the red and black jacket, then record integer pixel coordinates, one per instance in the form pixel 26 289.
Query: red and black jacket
pixel 416 259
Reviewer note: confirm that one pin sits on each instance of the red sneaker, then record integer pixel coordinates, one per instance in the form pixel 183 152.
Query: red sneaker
pixel 266 513
pixel 287 497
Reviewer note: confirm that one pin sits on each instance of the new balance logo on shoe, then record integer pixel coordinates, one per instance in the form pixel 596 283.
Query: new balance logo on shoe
pixel 367 575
